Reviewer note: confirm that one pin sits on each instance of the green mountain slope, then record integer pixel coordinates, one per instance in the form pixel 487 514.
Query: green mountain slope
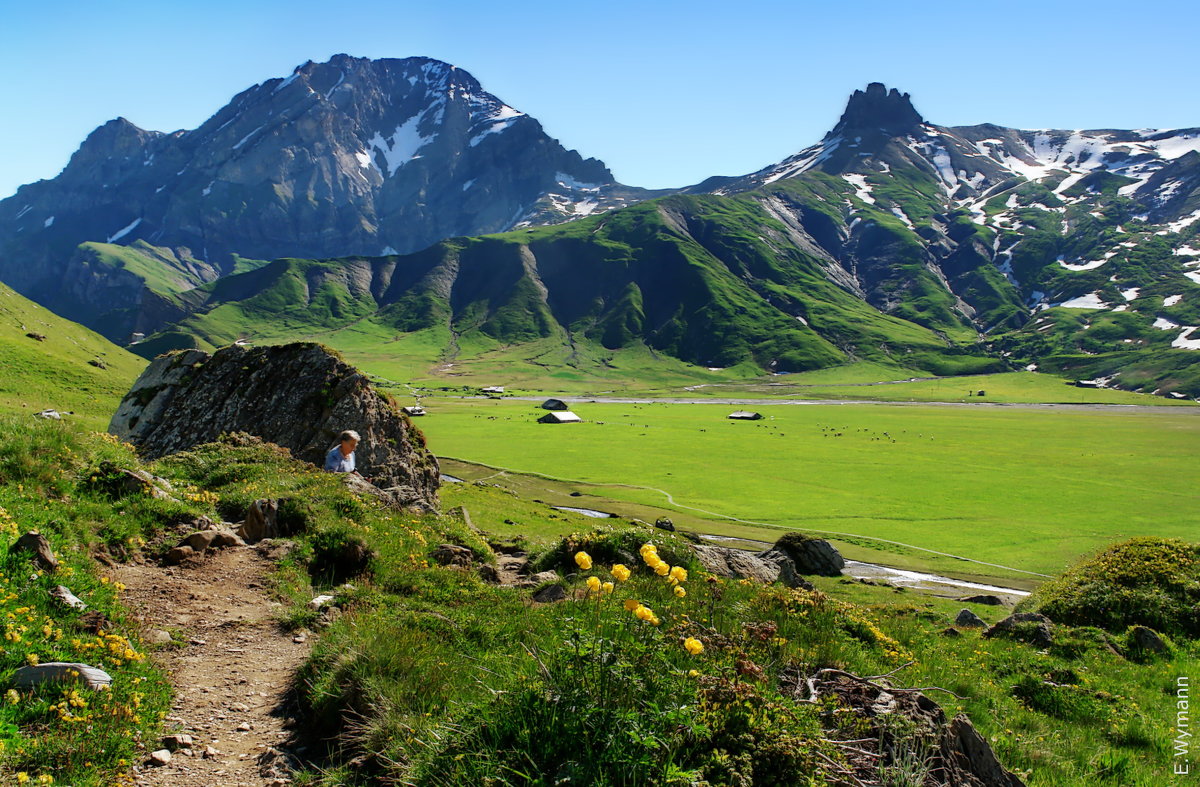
pixel 708 281
pixel 70 369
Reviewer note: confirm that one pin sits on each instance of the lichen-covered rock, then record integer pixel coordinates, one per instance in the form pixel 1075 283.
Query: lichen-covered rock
pixel 299 396
pixel 32 676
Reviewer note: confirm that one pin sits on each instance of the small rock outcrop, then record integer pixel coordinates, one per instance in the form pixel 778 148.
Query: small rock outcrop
pixel 1031 627
pixel 986 598
pixel 968 619
pixel 811 555
pixel 299 396
pixel 35 543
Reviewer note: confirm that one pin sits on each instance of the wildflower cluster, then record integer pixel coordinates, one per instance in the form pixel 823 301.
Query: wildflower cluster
pixel 675 576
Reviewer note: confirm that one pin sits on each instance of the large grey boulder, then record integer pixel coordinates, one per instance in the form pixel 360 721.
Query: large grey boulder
pixel 968 619
pixel 766 567
pixel 299 396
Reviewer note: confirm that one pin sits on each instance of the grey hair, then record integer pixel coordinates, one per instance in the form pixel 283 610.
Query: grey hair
pixel 349 434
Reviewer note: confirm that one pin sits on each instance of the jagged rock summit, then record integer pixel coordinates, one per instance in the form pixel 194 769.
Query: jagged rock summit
pixel 299 396
pixel 878 108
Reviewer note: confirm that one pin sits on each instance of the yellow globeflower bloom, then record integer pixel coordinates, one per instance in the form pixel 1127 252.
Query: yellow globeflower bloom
pixel 583 560
pixel 679 573
pixel 593 584
pixel 620 572
pixel 680 591
pixel 662 569
pixel 693 646
pixel 632 604
pixel 607 587
pixel 654 621
pixel 643 612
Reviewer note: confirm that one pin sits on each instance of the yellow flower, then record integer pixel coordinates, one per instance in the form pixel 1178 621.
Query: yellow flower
pixel 45 778
pixel 679 573
pixel 647 547
pixel 620 572
pixel 12 696
pixel 593 584
pixel 680 591
pixel 583 560
pixel 632 604
pixel 693 646
pixel 22 777
pixel 642 612
pixel 31 659
pixel 607 587
pixel 694 673
pixel 654 621
pixel 662 569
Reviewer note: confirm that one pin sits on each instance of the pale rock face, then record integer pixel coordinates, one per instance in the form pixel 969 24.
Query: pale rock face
pixel 298 396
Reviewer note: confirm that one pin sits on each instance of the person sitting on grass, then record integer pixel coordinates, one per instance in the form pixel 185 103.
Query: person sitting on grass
pixel 340 458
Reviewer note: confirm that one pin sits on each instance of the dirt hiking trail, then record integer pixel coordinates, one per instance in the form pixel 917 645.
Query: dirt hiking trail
pixel 230 664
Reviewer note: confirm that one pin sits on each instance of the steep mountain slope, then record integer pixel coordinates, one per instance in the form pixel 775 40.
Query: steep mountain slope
pixel 1091 233
pixel 49 362
pixel 353 156
pixel 711 281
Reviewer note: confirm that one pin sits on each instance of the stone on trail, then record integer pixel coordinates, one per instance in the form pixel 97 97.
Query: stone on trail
pixel 29 677
pixel 178 741
pixel 36 543
pixel 159 758
pixel 179 554
pixel 299 396
pixel 158 637
pixel 64 596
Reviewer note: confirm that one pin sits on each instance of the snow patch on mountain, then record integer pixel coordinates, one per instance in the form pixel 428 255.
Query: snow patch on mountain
pixel 862 189
pixel 402 146
pixel 1090 301
pixel 121 233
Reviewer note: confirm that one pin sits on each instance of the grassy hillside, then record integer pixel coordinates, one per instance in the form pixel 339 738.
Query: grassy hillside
pixel 72 369
pixel 431 677
pixel 697 282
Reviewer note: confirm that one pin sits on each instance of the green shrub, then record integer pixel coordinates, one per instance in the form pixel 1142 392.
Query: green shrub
pixel 1152 582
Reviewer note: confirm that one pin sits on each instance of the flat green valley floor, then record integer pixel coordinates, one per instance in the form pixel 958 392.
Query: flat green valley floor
pixel 1027 490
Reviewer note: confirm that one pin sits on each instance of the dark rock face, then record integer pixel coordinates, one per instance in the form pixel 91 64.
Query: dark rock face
pixel 879 108
pixel 36 544
pixel 298 396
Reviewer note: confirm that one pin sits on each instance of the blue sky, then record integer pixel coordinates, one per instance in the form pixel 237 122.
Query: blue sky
pixel 665 92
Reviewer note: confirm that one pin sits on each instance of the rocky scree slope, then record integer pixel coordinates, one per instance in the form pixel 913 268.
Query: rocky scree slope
pixel 298 396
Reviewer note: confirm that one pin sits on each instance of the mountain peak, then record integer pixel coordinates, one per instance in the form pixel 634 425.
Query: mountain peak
pixel 879 108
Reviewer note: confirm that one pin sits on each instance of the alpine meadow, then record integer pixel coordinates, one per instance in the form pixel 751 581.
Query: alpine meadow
pixel 366 434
